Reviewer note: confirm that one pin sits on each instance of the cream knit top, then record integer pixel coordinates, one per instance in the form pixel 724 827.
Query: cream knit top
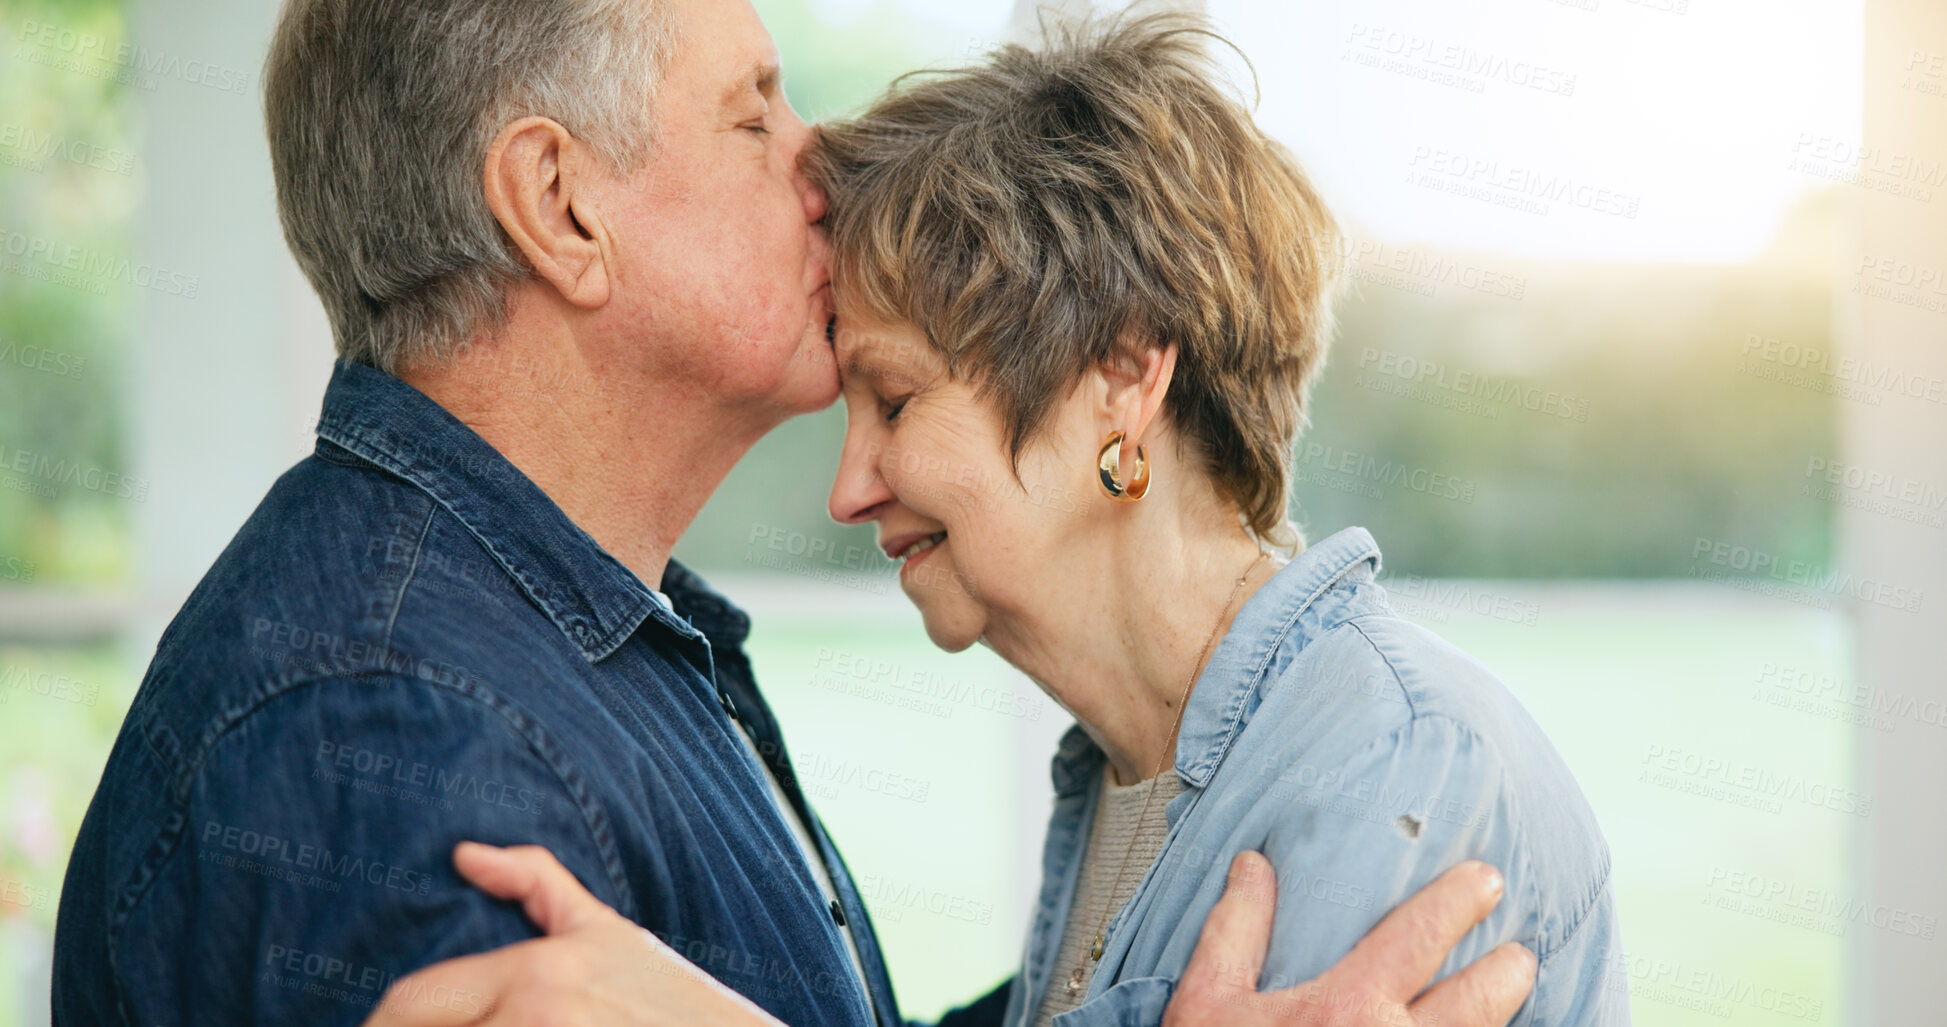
pixel 1116 832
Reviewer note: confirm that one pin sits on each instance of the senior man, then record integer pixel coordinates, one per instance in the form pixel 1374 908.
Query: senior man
pixel 573 275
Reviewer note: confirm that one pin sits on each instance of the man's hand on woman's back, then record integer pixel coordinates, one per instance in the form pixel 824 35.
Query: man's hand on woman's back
pixel 1380 982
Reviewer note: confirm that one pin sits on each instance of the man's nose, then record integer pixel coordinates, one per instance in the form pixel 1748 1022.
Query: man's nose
pixel 805 137
pixel 815 203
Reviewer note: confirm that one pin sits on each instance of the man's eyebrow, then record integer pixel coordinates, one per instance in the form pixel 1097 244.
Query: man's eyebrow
pixel 763 77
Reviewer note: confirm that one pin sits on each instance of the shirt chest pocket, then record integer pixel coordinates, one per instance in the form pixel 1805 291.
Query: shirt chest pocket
pixel 1138 1002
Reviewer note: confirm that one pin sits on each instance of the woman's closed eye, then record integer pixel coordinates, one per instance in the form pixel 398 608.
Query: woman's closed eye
pixel 891 408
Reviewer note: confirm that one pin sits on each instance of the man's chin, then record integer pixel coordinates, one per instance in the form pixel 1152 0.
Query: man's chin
pixel 812 392
pixel 795 407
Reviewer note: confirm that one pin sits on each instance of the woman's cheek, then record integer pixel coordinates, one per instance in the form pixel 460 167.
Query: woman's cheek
pixel 946 576
pixel 949 602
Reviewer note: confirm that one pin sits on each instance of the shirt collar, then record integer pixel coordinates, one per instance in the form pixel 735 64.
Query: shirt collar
pixel 1227 693
pixel 595 601
pixel 721 621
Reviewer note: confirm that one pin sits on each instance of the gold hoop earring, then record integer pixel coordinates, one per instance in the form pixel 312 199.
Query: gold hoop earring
pixel 1109 464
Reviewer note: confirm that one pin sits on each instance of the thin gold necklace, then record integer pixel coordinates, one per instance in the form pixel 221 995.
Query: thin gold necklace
pixel 1080 976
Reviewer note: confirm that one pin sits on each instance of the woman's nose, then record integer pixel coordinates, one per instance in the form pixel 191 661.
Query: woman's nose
pixel 859 493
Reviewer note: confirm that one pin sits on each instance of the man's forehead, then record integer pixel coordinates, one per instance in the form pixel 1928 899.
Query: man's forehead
pixel 724 45
pixel 760 74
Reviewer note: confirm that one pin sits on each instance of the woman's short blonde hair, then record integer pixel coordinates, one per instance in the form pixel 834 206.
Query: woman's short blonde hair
pixel 1037 210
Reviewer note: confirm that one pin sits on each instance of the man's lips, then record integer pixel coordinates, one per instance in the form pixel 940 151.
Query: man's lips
pixel 824 311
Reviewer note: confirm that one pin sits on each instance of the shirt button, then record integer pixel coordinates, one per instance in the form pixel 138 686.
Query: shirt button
pixel 729 707
pixel 838 913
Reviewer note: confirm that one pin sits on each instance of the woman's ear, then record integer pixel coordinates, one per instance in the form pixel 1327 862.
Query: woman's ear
pixel 537 188
pixel 1138 380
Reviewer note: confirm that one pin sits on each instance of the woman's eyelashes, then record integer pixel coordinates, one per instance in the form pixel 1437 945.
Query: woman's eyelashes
pixel 892 408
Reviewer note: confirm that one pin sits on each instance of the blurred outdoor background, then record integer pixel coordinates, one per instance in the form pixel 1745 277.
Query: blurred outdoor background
pixel 1656 283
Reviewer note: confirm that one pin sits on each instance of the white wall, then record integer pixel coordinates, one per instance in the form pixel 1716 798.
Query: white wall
pixel 1901 856
pixel 224 383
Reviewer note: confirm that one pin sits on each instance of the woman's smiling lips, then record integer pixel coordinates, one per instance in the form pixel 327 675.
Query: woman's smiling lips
pixel 911 548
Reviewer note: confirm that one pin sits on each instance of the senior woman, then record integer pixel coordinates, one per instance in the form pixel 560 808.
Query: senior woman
pixel 1081 301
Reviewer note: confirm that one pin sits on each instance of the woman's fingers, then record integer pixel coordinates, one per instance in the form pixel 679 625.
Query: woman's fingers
pixel 531 876
pixel 1400 955
pixel 450 994
pixel 595 966
pixel 1486 992
pixel 1230 952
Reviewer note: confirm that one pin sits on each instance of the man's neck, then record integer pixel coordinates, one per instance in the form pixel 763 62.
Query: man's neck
pixel 630 465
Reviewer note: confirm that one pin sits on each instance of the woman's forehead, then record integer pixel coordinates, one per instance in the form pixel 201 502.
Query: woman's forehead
pixel 885 346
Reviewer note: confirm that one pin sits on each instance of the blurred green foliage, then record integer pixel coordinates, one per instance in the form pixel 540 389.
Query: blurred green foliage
pixel 68 179
pixel 1678 443
pixel 61 347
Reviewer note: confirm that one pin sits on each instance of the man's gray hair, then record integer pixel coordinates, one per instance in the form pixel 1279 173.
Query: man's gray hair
pixel 380 114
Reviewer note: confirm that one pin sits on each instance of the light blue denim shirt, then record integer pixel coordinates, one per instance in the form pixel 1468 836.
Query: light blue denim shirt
pixel 1364 756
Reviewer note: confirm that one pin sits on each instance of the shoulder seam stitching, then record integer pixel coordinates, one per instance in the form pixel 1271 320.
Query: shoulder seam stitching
pixel 125 904
pixel 1582 912
pixel 1273 644
pixel 418 553
pixel 1413 708
pixel 1582 915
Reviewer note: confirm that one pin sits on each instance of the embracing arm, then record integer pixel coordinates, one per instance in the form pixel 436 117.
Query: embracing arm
pixel 597 968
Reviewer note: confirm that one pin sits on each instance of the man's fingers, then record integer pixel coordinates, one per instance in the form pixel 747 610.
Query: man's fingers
pixel 531 876
pixel 1238 932
pixel 1485 994
pixel 1403 952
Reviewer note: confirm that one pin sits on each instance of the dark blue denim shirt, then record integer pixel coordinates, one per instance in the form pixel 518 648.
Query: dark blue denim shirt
pixel 409 645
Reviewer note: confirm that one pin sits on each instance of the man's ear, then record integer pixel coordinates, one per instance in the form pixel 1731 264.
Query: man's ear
pixel 1137 380
pixel 537 188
